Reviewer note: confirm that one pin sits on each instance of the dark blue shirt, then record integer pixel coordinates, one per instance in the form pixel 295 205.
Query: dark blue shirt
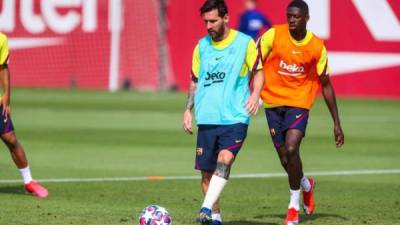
pixel 252 21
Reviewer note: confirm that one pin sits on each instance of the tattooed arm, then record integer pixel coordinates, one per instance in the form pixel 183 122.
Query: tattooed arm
pixel 187 115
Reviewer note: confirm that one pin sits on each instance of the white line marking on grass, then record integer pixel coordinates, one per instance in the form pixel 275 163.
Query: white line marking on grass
pixel 237 176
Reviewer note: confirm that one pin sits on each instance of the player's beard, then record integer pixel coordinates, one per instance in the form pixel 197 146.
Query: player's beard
pixel 218 34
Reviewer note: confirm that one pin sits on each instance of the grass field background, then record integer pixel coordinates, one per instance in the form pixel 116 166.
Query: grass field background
pixel 89 134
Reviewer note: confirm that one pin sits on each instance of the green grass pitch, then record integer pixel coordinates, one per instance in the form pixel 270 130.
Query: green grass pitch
pixel 90 134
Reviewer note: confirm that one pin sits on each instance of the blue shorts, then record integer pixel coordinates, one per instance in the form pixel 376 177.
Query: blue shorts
pixel 6 124
pixel 211 139
pixel 281 119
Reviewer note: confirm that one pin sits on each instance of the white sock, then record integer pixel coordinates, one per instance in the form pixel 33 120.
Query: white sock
pixel 26 175
pixel 305 184
pixel 216 216
pixel 294 199
pixel 215 188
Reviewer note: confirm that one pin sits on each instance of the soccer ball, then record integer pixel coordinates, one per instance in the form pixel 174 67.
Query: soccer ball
pixel 154 215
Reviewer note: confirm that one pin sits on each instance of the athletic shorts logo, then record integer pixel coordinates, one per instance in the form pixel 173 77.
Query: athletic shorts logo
pixel 238 141
pixel 199 151
pixel 298 116
pixel 273 133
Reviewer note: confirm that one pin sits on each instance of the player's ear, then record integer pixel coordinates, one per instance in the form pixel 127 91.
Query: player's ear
pixel 226 18
pixel 307 18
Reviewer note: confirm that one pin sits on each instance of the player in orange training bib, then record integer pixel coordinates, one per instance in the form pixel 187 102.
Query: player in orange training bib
pixel 295 66
pixel 7 132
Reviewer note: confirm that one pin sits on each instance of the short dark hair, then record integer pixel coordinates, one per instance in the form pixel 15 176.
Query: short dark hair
pixel 214 4
pixel 302 5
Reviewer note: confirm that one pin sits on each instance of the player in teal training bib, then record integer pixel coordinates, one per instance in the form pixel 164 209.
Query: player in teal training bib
pixel 222 64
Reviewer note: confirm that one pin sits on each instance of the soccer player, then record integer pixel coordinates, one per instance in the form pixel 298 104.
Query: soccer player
pixel 252 21
pixel 224 61
pixel 295 66
pixel 7 132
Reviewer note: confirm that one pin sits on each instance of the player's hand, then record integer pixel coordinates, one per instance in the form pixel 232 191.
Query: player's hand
pixel 5 103
pixel 252 104
pixel 339 136
pixel 187 121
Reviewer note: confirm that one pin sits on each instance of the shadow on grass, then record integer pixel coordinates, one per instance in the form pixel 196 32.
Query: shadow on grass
pixel 244 222
pixel 16 189
pixel 303 217
pixel 321 216
pixel 274 217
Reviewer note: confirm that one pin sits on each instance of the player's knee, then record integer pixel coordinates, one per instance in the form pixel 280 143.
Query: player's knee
pixel 292 150
pixel 223 170
pixel 10 140
pixel 226 157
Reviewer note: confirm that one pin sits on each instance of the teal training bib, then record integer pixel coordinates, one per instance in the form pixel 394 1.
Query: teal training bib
pixel 221 92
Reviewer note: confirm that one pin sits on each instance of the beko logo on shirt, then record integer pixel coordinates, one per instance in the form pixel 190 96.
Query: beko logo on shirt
pixel 292 69
pixel 215 76
pixel 211 78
